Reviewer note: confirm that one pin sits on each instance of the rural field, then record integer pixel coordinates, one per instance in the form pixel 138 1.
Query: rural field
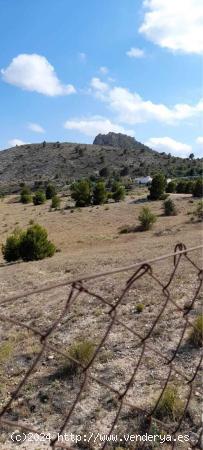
pixel 92 240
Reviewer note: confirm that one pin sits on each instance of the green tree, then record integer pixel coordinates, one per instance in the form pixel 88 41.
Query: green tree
pixel 55 204
pixel 169 207
pixel 171 187
pixel 191 156
pixel 198 188
pixel 28 245
pixel 118 191
pixel 11 249
pixel 181 187
pixel 158 186
pixel 104 172
pixel 25 195
pixel 189 186
pixel 146 218
pixel 81 192
pixel 99 193
pixel 50 191
pixel 39 198
pixel 34 244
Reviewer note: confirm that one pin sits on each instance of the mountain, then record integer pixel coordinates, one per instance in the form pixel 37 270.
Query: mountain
pixel 116 154
pixel 119 140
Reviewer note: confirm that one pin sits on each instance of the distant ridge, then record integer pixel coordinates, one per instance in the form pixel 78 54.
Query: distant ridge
pixel 64 162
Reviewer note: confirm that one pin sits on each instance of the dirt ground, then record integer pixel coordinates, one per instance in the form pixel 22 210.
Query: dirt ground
pixel 88 240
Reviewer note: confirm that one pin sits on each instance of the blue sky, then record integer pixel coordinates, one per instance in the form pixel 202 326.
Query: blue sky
pixel 71 69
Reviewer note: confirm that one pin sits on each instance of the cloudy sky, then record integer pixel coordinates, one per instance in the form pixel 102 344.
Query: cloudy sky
pixel 70 69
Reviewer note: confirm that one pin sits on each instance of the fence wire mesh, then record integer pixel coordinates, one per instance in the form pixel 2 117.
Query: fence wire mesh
pixel 148 417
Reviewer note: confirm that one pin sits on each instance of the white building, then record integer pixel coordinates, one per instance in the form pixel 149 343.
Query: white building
pixel 143 180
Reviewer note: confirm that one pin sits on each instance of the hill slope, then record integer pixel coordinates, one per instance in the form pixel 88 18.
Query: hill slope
pixel 65 162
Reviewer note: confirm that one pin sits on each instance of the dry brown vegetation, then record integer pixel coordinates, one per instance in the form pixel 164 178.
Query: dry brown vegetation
pixel 89 240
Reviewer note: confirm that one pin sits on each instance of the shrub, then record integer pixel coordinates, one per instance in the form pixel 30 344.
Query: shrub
pixel 81 193
pixel 104 172
pixel 81 351
pixel 189 186
pixel 118 191
pixel 39 198
pixel 139 307
pixel 198 188
pixel 157 187
pixel 99 193
pixel 171 187
pixel 169 208
pixel 199 210
pixel 181 187
pixel 11 249
pixel 25 195
pixel 28 245
pixel 55 202
pixel 197 332
pixel 146 218
pixel 170 406
pixel 34 244
pixel 50 191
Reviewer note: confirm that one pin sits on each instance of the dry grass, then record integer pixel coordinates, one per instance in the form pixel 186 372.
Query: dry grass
pixel 90 241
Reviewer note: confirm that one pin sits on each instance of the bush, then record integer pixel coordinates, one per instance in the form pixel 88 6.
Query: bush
pixel 104 172
pixel 198 188
pixel 11 249
pixel 189 186
pixel 25 195
pixel 197 332
pixel 29 245
pixel 99 193
pixel 81 193
pixel 199 210
pixel 170 406
pixel 139 308
pixel 169 208
pixel 81 351
pixel 157 187
pixel 171 187
pixel 50 191
pixel 34 244
pixel 55 202
pixel 39 198
pixel 146 218
pixel 118 191
pixel 181 187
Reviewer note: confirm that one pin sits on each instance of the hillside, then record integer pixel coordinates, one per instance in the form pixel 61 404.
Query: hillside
pixel 64 162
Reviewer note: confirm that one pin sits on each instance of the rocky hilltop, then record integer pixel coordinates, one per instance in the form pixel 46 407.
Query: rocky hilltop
pixel 118 140
pixel 110 155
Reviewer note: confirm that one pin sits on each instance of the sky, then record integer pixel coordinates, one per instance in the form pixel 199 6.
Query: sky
pixel 70 69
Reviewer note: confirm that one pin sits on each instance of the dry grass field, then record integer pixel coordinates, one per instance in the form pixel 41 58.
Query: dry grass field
pixel 88 240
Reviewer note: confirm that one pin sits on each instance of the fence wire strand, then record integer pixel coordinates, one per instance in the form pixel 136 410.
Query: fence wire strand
pixel 78 288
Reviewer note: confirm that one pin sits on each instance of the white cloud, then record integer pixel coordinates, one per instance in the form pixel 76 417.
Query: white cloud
pixel 94 125
pixel 135 53
pixel 104 70
pixel 14 142
pixel 82 56
pixel 174 24
pixel 34 73
pixel 169 145
pixel 199 140
pixel 36 127
pixel 98 85
pixel 132 109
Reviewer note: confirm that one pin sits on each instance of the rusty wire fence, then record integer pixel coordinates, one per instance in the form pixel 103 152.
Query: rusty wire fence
pixel 143 344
